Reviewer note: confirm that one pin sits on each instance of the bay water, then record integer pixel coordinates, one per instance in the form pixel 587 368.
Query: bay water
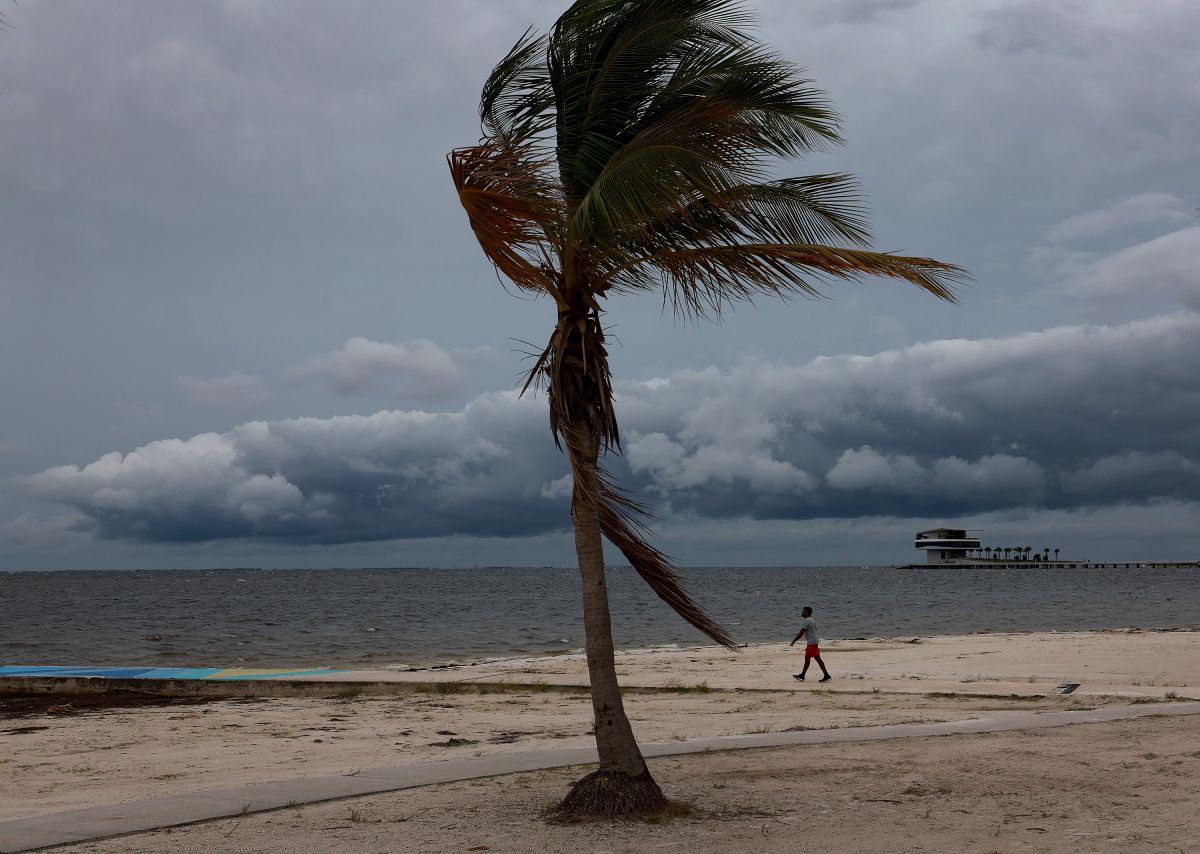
pixel 418 617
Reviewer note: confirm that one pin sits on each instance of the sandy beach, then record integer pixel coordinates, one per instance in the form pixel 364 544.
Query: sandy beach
pixel 1124 784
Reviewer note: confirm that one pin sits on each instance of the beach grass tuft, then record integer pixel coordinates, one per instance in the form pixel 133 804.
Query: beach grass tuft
pixel 676 687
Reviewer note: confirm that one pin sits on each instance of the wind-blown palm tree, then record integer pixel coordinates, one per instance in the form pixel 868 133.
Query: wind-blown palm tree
pixel 627 150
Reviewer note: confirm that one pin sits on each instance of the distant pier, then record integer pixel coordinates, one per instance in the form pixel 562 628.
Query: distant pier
pixel 955 548
pixel 1053 564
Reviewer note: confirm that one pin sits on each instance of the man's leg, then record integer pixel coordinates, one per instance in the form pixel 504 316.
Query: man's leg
pixel 822 665
pixel 807 659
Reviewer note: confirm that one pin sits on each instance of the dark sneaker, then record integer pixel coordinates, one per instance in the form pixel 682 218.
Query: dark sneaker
pixel 799 676
pixel 825 678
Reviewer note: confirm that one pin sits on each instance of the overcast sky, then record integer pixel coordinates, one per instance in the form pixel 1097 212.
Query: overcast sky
pixel 243 321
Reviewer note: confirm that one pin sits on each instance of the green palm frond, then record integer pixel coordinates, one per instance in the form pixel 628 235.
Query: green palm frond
pixel 702 281
pixel 609 59
pixel 811 209
pixel 517 103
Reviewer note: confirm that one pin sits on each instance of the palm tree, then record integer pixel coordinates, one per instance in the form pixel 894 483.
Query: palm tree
pixel 1007 551
pixel 1028 549
pixel 628 150
pixel 1056 554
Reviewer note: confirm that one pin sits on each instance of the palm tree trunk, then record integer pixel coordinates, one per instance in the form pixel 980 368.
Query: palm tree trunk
pixel 614 736
pixel 622 785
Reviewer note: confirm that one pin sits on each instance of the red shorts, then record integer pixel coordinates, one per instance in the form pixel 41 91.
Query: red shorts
pixel 812 649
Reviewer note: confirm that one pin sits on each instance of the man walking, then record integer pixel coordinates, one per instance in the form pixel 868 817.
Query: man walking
pixel 812 645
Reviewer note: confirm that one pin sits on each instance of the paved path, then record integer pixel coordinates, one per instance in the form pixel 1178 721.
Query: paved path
pixel 134 817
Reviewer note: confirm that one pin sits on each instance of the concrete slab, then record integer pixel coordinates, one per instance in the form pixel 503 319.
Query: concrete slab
pixel 134 817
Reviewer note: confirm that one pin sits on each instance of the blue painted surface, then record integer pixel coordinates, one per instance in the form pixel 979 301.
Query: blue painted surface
pixel 209 673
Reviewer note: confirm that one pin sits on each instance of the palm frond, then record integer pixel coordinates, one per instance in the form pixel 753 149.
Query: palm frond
pixel 607 60
pixel 720 129
pixel 811 209
pixel 702 281
pixel 621 523
pixel 514 209
pixel 517 101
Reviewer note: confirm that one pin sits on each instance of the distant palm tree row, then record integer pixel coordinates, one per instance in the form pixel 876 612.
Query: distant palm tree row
pixel 1012 552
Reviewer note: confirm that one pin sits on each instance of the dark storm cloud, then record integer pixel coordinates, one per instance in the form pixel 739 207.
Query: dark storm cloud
pixel 200 198
pixel 345 479
pixel 1073 417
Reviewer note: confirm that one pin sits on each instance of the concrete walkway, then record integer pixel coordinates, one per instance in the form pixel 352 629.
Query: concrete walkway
pixel 122 819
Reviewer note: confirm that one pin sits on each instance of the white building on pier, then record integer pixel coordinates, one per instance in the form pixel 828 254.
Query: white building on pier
pixel 946 545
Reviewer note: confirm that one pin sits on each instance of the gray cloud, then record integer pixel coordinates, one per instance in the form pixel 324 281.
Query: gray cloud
pixel 1004 478
pixel 415 370
pixel 1142 209
pixel 858 11
pixel 235 390
pixel 1072 417
pixel 1061 27
pixel 1164 266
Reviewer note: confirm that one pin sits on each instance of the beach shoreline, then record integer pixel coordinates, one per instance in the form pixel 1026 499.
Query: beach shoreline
pixel 73 756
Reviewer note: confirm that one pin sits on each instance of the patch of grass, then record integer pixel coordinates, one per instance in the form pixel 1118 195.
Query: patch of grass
pixel 348 694
pixel 760 730
pixel 443 688
pixel 676 687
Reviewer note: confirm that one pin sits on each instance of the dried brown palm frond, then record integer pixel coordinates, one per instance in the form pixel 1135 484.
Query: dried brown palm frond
pixel 514 209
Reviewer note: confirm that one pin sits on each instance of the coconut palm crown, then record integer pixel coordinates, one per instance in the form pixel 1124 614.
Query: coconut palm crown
pixel 632 148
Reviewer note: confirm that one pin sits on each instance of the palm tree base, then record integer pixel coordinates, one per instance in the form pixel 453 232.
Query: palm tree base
pixel 612 794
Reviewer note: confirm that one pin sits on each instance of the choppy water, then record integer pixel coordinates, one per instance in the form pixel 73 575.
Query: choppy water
pixel 381 617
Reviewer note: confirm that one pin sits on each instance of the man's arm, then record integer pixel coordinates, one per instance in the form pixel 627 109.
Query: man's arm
pixel 797 637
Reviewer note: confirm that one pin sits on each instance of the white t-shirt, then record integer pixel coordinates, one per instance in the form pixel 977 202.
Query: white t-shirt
pixel 810 631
